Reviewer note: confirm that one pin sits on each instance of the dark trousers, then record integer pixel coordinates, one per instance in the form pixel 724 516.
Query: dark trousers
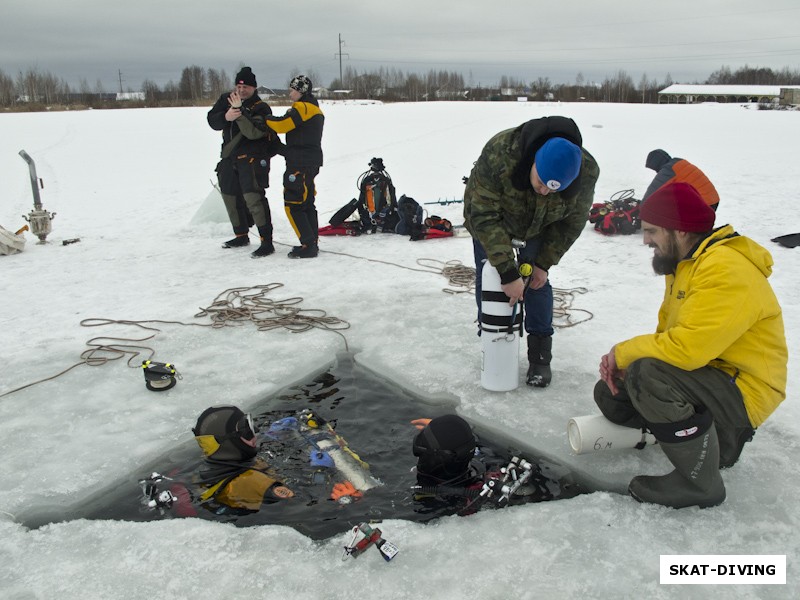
pixel 538 303
pixel 299 195
pixel 656 392
pixel 242 183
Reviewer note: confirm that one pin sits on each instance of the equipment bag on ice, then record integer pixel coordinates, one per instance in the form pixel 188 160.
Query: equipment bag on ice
pixel 379 210
pixel 619 215
pixel 411 217
pixel 376 203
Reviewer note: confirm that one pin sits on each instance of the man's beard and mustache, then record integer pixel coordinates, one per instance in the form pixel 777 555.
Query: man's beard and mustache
pixel 666 262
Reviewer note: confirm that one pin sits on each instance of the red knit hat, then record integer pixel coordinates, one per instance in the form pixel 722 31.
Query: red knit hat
pixel 678 206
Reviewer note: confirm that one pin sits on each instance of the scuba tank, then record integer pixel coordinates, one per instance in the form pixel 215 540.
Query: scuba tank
pixel 500 333
pixel 324 438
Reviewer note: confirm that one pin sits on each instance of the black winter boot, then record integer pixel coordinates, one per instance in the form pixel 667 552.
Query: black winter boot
pixel 731 444
pixel 304 251
pixel 540 353
pixel 241 239
pixel 693 449
pixel 265 249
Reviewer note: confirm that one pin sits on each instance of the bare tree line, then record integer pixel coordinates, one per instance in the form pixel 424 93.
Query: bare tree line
pixel 33 89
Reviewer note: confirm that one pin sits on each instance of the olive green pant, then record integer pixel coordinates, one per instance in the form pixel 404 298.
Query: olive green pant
pixel 656 392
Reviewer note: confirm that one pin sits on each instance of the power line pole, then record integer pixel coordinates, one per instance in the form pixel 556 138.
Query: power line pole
pixel 339 54
pixel 120 80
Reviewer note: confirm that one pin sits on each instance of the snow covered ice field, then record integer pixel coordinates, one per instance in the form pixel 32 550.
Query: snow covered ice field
pixel 134 186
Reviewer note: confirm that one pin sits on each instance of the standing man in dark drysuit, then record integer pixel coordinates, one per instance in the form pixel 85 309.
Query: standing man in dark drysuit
pixel 302 124
pixel 243 169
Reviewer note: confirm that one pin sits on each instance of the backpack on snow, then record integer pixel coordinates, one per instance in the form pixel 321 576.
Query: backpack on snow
pixel 376 204
pixel 380 211
pixel 411 218
pixel 619 215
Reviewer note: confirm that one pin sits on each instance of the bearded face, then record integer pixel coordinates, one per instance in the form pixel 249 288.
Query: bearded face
pixel 666 255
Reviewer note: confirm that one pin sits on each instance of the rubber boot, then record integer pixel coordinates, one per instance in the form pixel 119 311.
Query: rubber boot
pixel 696 480
pixel 731 444
pixel 540 353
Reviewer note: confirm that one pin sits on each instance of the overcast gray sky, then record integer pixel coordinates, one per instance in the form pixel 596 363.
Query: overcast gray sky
pixel 482 39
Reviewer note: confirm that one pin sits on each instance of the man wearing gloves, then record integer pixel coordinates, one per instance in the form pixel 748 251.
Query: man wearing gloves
pixel 715 368
pixel 243 169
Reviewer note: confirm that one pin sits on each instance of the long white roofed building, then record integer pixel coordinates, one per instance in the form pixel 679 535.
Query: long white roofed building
pixel 685 93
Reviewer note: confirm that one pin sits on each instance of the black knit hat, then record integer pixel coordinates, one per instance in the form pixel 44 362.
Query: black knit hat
pixel 246 77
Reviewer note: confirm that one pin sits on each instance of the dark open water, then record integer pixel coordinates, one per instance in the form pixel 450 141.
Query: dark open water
pixel 373 415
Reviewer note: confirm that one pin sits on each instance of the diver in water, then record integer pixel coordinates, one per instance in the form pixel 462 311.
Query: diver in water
pixel 235 478
pixel 455 467
pixel 232 480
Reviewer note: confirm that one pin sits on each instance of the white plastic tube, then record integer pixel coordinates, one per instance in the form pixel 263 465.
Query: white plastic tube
pixel 595 433
pixel 499 347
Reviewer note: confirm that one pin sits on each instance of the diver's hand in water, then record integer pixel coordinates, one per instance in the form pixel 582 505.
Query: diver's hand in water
pixel 343 493
pixel 420 423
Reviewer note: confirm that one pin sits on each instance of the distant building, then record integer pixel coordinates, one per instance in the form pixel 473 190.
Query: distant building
pixel 127 96
pixel 684 93
pixel 266 93
pixel 790 96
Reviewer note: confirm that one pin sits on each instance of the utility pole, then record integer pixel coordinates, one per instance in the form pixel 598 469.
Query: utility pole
pixel 339 54
pixel 120 80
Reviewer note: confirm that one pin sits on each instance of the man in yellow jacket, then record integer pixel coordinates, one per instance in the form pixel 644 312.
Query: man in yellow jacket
pixel 715 368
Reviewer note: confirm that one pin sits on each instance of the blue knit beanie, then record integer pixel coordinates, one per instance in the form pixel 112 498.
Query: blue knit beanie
pixel 558 163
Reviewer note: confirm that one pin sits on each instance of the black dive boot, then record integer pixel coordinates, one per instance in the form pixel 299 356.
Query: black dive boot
pixel 304 251
pixel 266 248
pixel 692 447
pixel 540 353
pixel 241 239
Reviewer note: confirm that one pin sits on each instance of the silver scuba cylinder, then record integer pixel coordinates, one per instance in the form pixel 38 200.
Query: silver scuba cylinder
pixel 500 334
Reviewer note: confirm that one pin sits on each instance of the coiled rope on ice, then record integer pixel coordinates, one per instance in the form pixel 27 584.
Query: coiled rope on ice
pixel 234 306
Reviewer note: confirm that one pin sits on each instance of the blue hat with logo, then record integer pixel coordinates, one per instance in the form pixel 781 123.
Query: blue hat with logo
pixel 558 163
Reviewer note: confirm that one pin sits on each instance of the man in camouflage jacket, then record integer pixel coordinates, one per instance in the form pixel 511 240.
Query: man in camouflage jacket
pixel 533 183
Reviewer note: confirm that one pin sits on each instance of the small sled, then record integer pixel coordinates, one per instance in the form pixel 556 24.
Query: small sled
pixel 790 240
